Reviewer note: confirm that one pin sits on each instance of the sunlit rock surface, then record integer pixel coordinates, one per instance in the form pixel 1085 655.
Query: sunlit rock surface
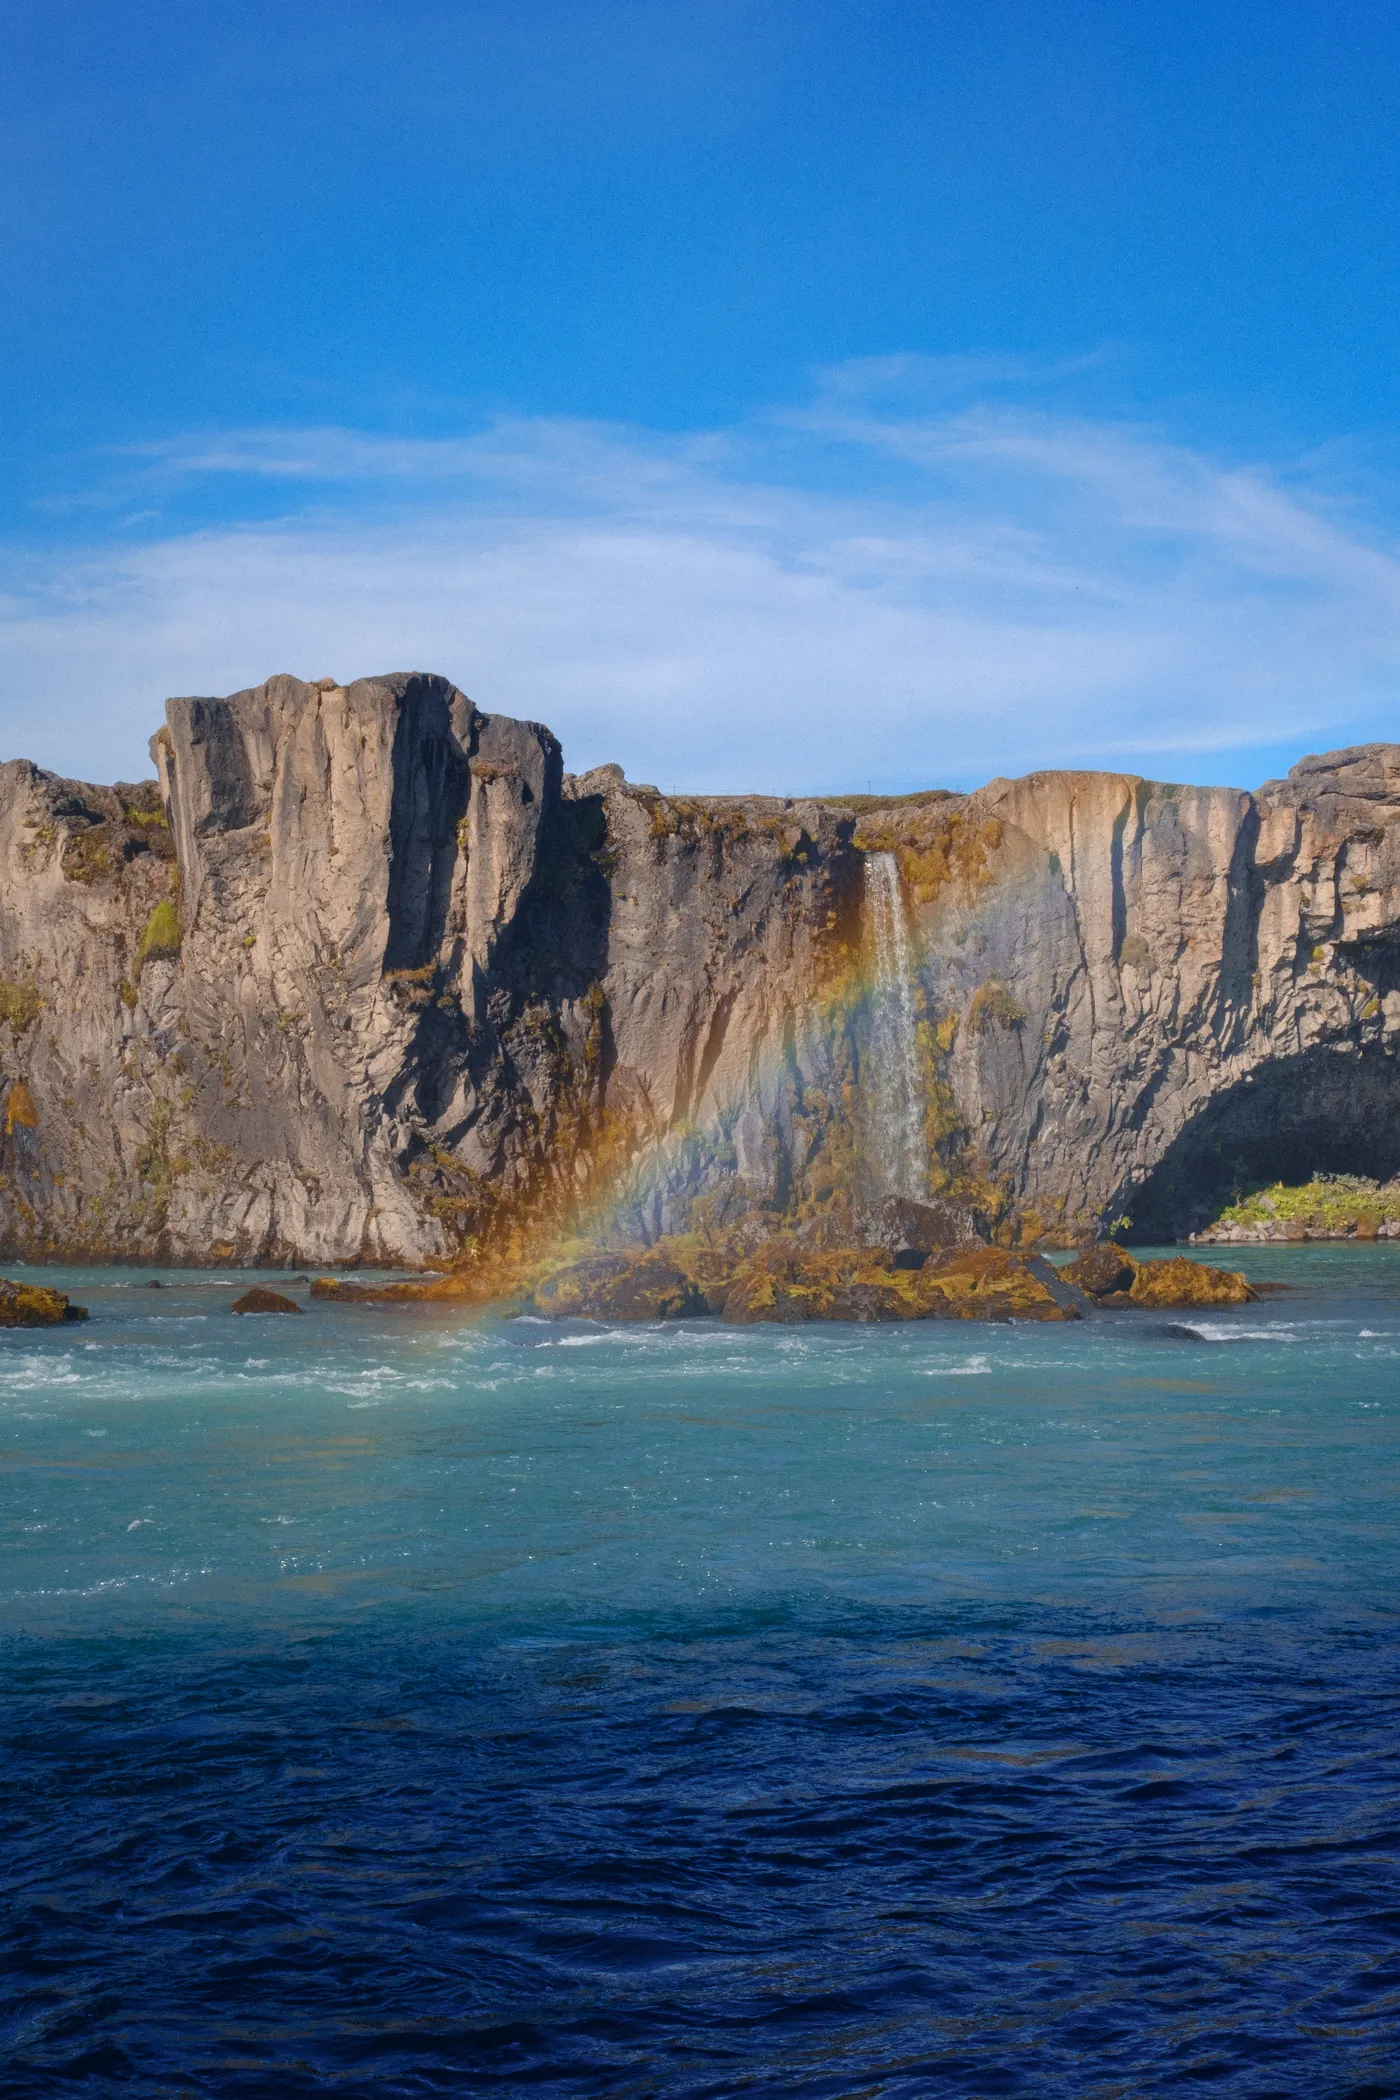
pixel 369 978
pixel 789 1282
pixel 1111 1276
pixel 34 1305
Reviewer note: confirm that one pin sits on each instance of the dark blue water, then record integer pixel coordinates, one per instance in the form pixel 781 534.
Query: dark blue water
pixel 397 1706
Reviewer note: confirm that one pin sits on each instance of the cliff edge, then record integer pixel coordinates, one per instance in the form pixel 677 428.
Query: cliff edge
pixel 367 977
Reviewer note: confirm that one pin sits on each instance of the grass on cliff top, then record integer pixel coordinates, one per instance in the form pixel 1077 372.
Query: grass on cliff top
pixel 864 805
pixel 1327 1203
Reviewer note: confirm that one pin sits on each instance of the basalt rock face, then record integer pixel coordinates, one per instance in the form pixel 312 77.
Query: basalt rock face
pixel 368 978
pixel 1161 993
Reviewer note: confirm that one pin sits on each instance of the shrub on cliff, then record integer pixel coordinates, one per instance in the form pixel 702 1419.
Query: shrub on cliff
pixel 160 938
pixel 993 1006
pixel 20 1003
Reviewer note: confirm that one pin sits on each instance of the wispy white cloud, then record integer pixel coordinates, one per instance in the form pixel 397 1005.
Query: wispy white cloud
pixel 895 584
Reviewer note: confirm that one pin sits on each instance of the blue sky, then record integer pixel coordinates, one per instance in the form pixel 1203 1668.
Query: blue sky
pixel 763 395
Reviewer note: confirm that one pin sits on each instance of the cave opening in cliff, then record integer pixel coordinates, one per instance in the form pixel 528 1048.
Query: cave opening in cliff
pixel 1330 1111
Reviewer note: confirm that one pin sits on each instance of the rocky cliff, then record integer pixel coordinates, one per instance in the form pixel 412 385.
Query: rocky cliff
pixel 367 977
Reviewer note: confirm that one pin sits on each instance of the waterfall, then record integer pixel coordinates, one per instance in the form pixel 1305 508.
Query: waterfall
pixel 892 1089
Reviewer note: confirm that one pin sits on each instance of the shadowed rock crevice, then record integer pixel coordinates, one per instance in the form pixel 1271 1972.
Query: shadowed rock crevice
pixel 213 733
pixel 1376 962
pixel 1327 1112
pixel 431 785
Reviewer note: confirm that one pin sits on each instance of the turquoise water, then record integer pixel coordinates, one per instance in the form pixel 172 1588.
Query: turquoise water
pixel 398 1703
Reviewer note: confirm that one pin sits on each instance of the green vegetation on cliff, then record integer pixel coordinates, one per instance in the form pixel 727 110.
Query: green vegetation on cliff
pixel 1330 1205
pixel 21 1003
pixel 160 939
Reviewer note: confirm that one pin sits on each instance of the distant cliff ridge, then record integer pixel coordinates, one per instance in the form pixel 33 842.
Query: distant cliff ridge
pixel 368 977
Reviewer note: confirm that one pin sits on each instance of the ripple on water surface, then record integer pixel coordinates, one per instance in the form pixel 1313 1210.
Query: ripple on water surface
pixel 397 1706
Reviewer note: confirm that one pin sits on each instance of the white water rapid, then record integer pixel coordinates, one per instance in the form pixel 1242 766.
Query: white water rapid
pixel 892 1089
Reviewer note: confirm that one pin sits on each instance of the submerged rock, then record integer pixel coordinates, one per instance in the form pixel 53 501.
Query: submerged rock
pixel 33 1305
pixel 259 1300
pixel 1113 1277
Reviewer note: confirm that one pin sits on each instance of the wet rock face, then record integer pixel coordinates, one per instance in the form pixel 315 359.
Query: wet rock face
pixel 909 1231
pixel 367 977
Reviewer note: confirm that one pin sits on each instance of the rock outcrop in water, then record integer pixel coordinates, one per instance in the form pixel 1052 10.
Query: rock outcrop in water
pixel 1113 1277
pixel 368 978
pixel 785 1282
pixel 34 1305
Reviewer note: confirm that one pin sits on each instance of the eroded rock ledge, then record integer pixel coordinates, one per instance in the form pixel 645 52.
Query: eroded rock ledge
pixel 367 977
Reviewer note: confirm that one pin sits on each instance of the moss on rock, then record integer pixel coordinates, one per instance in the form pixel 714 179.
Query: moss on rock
pixel 993 1006
pixel 1113 1277
pixel 160 937
pixel 622 1287
pixel 32 1305
pixel 21 1003
pixel 1328 1207
pixel 790 1282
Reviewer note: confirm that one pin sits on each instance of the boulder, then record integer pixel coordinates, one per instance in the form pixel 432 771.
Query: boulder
pixel 908 1232
pixel 1113 1277
pixel 33 1305
pixel 981 1283
pixel 790 1286
pixel 1102 1270
pixel 993 1283
pixel 621 1287
pixel 259 1300
pixel 1182 1282
pixel 711 1269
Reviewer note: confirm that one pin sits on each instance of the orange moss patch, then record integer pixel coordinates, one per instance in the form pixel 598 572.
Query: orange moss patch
pixel 787 1282
pixel 937 846
pixel 1183 1282
pixel 20 1112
